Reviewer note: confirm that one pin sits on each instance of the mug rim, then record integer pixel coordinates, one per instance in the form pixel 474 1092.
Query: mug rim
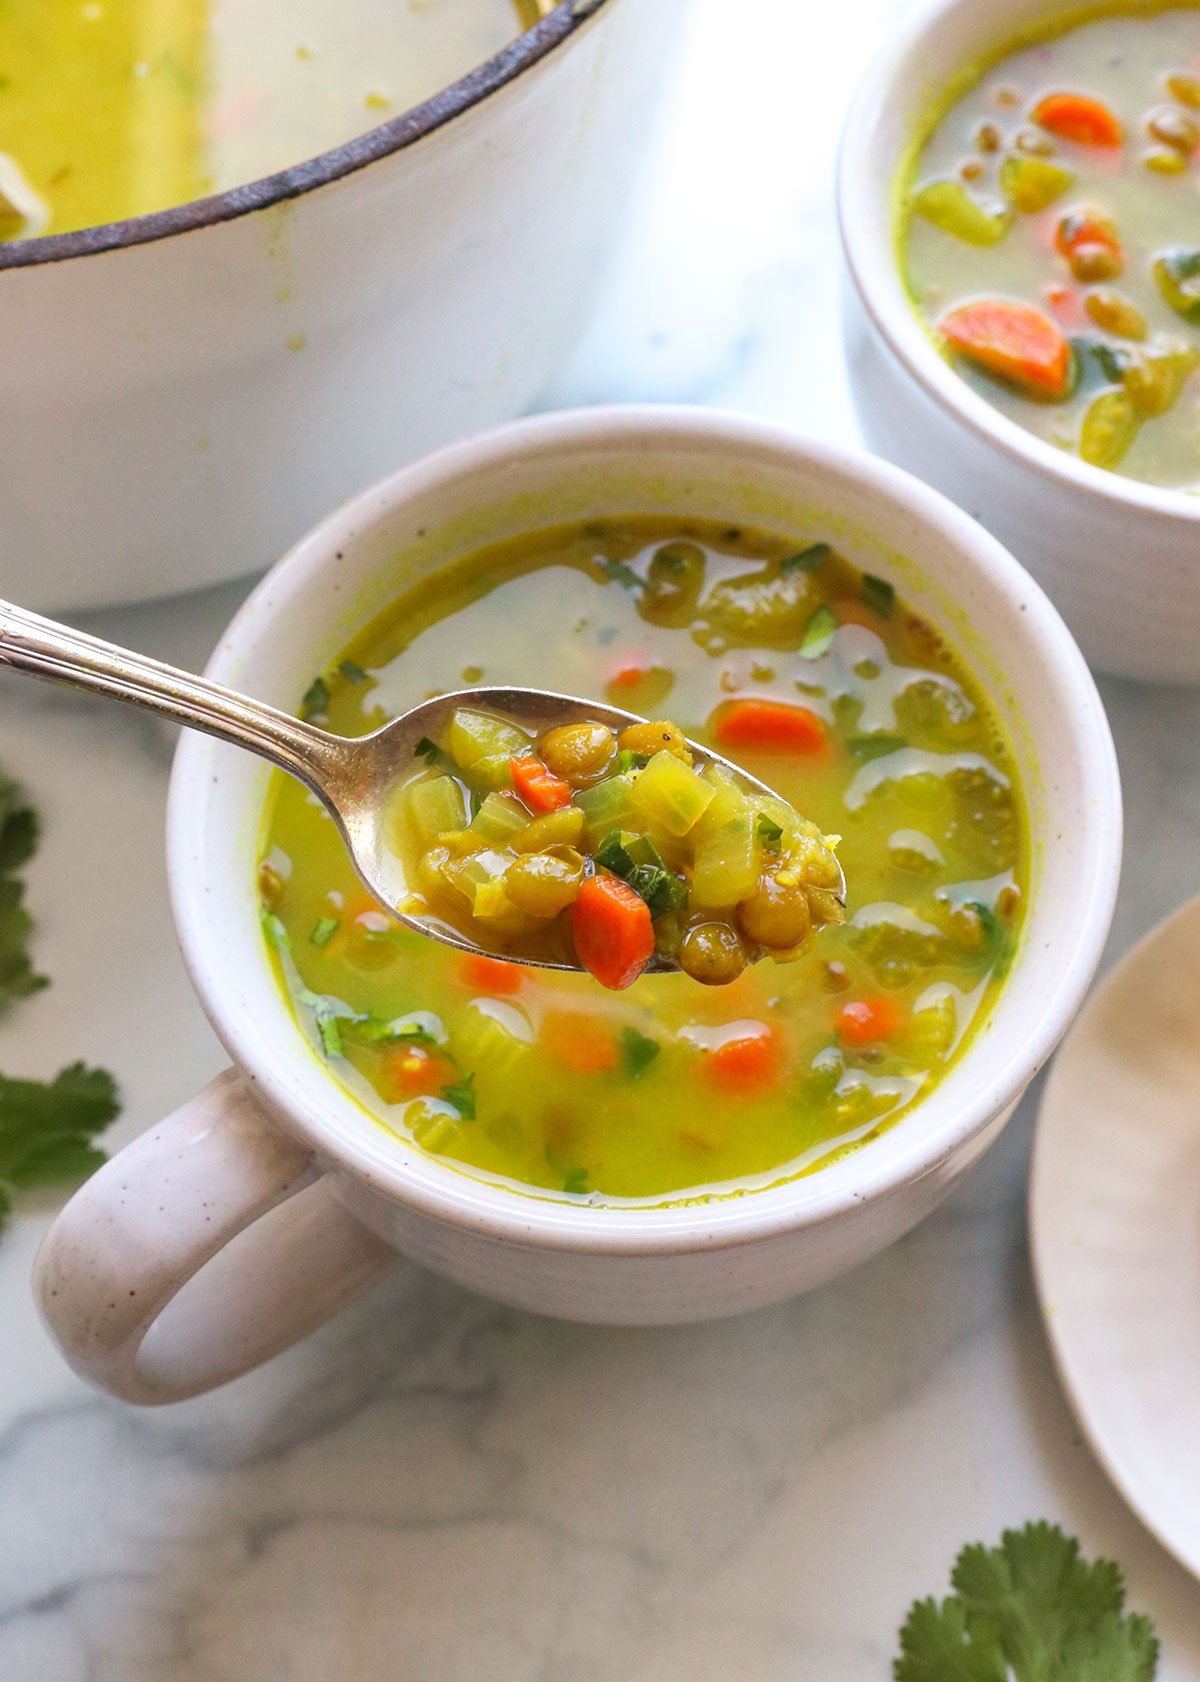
pixel 524 51
pixel 879 282
pixel 455 1198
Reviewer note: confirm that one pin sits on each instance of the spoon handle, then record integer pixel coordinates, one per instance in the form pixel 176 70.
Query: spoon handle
pixel 45 649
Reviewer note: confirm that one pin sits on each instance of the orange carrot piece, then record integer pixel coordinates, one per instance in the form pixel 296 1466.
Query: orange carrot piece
pixel 413 1071
pixel 1079 117
pixel 613 931
pixel 580 1044
pixel 869 1021
pixel 1014 341
pixel 490 975
pixel 1081 227
pixel 771 727
pixel 539 788
pixel 748 1065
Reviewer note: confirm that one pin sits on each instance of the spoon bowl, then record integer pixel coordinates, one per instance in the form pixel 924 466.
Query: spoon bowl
pixel 355 778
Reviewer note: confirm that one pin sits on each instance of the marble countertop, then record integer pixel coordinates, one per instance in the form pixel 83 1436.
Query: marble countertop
pixel 435 1489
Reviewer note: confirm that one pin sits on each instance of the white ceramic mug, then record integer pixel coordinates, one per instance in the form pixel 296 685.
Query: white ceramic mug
pixel 233 1227
pixel 208 381
pixel 1120 559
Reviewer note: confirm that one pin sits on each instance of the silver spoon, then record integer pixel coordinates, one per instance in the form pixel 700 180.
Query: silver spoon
pixel 353 777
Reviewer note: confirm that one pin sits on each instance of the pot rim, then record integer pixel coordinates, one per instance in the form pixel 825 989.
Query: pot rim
pixel 919 1148
pixel 879 282
pixel 396 135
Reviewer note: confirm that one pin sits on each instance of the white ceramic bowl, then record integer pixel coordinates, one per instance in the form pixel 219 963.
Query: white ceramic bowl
pixel 281 1123
pixel 186 393
pixel 1120 559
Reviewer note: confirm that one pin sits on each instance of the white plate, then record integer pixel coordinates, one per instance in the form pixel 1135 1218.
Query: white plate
pixel 1115 1227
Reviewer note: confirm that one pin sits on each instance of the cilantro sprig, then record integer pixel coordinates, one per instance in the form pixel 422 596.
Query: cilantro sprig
pixel 47 1128
pixel 1031 1610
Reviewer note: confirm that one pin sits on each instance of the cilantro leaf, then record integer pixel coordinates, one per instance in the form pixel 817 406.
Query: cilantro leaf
pixel 808 560
pixel 878 594
pixel 1031 1610
pixel 47 1127
pixel 770 833
pixel 818 634
pixel 316 699
pixel 352 671
pixel 575 1182
pixel 18 843
pixel 462 1096
pixel 638 1051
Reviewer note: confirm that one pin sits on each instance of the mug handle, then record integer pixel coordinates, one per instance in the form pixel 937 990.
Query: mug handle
pixel 202 1249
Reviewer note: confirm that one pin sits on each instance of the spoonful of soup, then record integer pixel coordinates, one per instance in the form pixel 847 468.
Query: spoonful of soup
pixel 525 824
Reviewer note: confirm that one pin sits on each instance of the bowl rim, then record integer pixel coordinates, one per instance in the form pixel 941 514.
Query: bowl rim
pixel 417 1183
pixel 396 135
pixel 880 284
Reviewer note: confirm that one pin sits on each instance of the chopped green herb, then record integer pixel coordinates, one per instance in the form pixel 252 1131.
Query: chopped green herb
pixel 627 760
pixel 637 1052
pixel 425 749
pixel 620 572
pixel 421 1026
pixel 47 1127
pixel 275 931
pixel 462 1096
pixel 878 594
pixel 325 931
pixel 808 560
pixel 875 747
pixel 316 698
pixel 1111 361
pixel 660 888
pixel 330 1013
pixel 612 854
pixel 818 634
pixel 769 832
pixel 575 1183
pixel 1031 1610
pixel 352 671
pixel 18 842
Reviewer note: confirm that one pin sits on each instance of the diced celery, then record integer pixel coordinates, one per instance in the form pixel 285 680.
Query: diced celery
pixel 607 806
pixel 949 206
pixel 500 819
pixel 435 805
pixel 728 800
pixel 728 863
pixel 669 795
pixel 483 867
pixel 493 1035
pixel 480 743
pixel 491 900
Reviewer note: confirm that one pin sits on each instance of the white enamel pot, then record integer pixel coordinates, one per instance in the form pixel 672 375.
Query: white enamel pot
pixel 226 1232
pixel 185 393
pixel 1120 559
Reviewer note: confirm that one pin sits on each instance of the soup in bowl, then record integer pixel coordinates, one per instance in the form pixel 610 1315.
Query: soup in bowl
pixel 672 1151
pixel 1021 321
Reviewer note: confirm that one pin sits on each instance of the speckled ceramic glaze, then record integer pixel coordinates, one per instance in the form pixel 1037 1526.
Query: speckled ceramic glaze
pixel 1120 559
pixel 316 1188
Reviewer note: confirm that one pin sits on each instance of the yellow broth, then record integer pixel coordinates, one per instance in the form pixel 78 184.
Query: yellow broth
pixel 115 108
pixel 544 1079
pixel 1132 398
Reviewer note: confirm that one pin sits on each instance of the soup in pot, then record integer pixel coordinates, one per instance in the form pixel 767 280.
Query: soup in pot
pixel 115 108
